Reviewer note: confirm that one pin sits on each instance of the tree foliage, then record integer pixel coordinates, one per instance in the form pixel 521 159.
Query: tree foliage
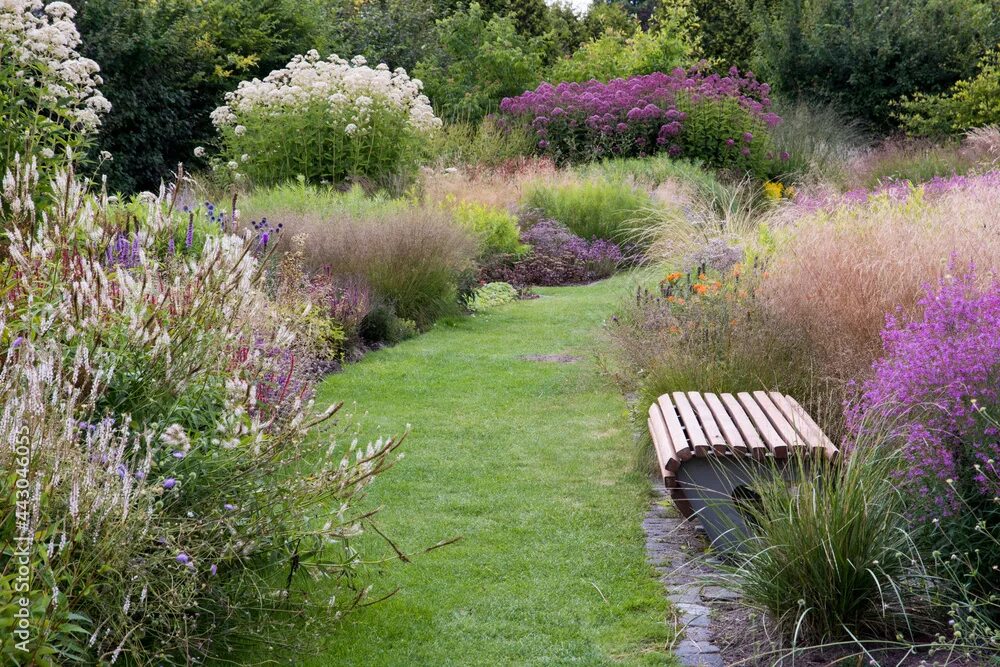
pixel 860 55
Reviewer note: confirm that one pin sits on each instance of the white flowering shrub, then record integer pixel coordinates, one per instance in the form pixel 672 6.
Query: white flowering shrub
pixel 49 97
pixel 327 121
pixel 154 431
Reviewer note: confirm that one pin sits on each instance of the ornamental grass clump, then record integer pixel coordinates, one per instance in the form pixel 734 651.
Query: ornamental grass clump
pixel 592 209
pixel 830 558
pixel 178 490
pixel 327 121
pixel 834 274
pixel 411 259
pixel 723 120
pixel 50 101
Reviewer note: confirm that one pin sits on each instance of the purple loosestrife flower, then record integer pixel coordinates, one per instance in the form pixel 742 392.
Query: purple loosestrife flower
pixel 189 238
pixel 938 372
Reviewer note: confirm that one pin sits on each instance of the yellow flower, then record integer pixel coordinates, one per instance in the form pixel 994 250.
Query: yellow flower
pixel 773 190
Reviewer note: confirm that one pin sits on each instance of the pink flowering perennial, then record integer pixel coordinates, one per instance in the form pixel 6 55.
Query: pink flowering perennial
pixel 937 384
pixel 694 113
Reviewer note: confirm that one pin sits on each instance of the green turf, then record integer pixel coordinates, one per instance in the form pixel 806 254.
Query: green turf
pixel 531 463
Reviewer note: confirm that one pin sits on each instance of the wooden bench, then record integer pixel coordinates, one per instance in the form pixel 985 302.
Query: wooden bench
pixel 706 445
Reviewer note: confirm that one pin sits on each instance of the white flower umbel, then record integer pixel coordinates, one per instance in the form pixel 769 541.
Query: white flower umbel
pixel 347 86
pixel 44 41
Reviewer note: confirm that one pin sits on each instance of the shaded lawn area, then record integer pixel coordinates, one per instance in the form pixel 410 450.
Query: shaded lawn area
pixel 531 463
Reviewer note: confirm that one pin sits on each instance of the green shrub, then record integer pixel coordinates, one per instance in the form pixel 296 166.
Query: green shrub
pixel 861 55
pixel 327 121
pixel 497 229
pixel 968 104
pixel 599 208
pixel 479 60
pixel 381 326
pixel 616 55
pixel 716 131
pixel 490 296
pixel 724 29
pixel 167 65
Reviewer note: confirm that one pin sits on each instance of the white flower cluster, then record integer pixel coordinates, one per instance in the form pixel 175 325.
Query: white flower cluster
pixel 43 40
pixel 350 89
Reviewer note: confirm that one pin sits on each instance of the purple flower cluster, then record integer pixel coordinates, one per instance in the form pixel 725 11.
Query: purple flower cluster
pixel 123 252
pixel 558 257
pixel 937 381
pixel 901 190
pixel 349 301
pixel 638 115
pixel 266 232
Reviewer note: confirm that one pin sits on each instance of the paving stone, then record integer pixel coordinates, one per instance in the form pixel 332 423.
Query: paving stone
pixel 689 609
pixel 702 660
pixel 689 594
pixel 698 634
pixel 718 593
pixel 700 621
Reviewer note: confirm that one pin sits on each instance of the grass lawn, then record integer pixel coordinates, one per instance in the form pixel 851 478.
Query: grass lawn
pixel 531 463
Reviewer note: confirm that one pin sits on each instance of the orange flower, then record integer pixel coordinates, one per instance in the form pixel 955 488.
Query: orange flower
pixel 675 329
pixel 702 276
pixel 698 288
pixel 737 270
pixel 674 277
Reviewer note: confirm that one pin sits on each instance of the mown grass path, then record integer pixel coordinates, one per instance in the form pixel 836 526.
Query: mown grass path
pixel 530 462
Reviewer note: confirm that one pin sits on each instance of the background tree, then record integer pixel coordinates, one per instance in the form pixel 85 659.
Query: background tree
pixel 166 66
pixel 478 60
pixel 861 55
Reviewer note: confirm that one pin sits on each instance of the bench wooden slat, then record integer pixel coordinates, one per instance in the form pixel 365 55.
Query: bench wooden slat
pixel 708 425
pixel 805 424
pixel 770 437
pixel 696 436
pixel 665 453
pixel 757 447
pixel 674 429
pixel 730 432
pixel 781 425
